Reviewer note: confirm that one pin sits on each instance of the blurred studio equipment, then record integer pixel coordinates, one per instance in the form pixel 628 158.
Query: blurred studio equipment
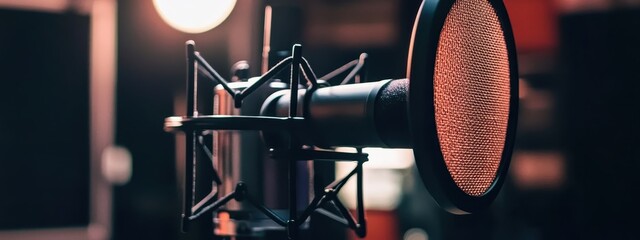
pixel 58 159
pixel 457 111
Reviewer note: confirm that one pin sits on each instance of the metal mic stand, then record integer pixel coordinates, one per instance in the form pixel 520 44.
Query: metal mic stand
pixel 195 126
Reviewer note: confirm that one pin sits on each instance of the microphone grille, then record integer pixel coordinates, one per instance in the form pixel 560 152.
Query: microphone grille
pixel 471 94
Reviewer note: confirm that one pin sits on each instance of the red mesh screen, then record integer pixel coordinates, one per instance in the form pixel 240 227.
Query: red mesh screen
pixel 471 98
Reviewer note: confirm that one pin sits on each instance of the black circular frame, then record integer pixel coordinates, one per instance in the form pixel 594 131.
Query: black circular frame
pixel 420 71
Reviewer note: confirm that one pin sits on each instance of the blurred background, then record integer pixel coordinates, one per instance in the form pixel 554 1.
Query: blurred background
pixel 86 86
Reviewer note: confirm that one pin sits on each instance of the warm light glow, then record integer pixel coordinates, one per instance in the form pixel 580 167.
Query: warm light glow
pixel 194 16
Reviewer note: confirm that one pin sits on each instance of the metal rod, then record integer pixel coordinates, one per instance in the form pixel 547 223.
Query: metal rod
pixel 311 76
pixel 265 77
pixel 337 185
pixel 214 205
pixel 355 70
pixel 362 223
pixel 234 122
pixel 315 203
pixel 345 212
pixel 275 217
pixel 339 70
pixel 190 138
pixel 362 74
pixel 206 74
pixel 308 72
pixel 207 151
pixel 333 216
pixel 292 226
pixel 318 155
pixel 205 200
pixel 214 74
pixel 266 46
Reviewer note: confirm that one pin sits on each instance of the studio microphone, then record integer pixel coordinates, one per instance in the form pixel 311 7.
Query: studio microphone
pixel 457 110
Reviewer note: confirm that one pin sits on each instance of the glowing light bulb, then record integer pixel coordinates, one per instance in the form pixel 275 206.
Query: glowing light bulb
pixel 194 16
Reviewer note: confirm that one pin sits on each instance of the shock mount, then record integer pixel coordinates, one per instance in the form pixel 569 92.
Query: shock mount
pixel 195 126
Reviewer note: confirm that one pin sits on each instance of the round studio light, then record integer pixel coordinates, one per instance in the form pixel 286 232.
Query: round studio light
pixel 194 16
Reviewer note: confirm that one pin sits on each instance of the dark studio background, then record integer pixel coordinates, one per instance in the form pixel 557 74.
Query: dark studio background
pixel 44 131
pixel 573 174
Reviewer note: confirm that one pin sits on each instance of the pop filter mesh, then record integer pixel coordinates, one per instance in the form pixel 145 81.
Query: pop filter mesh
pixel 471 94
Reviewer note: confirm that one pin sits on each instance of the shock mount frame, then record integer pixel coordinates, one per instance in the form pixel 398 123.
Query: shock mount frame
pixel 195 126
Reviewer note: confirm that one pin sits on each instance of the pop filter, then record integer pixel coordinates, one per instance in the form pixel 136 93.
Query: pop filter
pixel 463 100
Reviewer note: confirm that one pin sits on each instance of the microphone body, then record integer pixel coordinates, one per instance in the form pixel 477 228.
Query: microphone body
pixel 370 114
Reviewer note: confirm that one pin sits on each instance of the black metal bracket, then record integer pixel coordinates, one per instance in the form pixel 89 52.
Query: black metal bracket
pixel 195 126
pixel 330 196
pixel 239 194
